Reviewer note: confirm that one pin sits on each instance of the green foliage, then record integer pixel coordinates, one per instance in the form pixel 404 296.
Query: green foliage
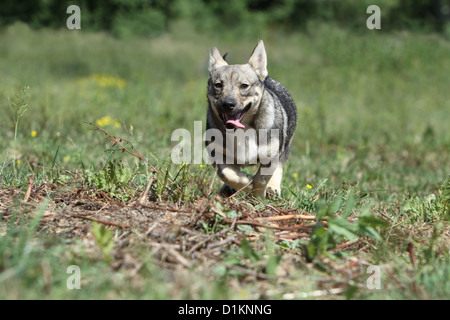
pixel 431 209
pixel 104 238
pixel 114 178
pixel 333 225
pixel 149 18
pixel 17 247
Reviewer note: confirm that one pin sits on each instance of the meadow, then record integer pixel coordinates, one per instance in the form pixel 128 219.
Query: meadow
pixel 370 160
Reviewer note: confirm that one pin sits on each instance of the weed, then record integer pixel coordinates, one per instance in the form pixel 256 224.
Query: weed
pixel 334 226
pixel 431 209
pixel 114 179
pixel 104 238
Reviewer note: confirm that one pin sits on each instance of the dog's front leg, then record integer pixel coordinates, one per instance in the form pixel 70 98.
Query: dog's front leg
pixel 267 181
pixel 234 179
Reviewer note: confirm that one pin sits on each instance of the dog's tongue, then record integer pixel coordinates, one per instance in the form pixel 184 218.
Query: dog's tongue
pixel 234 124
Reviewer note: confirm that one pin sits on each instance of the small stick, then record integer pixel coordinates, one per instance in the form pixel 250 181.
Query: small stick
pixel 179 257
pixel 212 183
pixel 141 200
pixel 28 193
pixel 346 244
pixel 293 236
pixel 221 242
pixel 156 207
pixel 411 254
pixel 118 141
pixel 271 226
pixel 287 217
pixel 124 226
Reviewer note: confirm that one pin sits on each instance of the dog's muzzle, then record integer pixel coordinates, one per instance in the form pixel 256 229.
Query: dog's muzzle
pixel 233 121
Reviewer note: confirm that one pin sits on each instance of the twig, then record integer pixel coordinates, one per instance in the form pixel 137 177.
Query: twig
pixel 104 206
pixel 287 217
pixel 192 233
pixel 124 226
pixel 411 254
pixel 156 207
pixel 346 244
pixel 28 193
pixel 165 245
pixel 212 183
pixel 118 141
pixel 225 241
pixel 270 226
pixel 293 236
pixel 234 194
pixel 142 198
pixel 213 236
pixel 250 272
pixel 172 249
pixel 179 257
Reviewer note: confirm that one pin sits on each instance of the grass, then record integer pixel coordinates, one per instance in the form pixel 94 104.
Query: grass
pixel 370 159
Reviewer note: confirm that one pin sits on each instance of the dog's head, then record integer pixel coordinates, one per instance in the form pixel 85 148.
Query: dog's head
pixel 235 90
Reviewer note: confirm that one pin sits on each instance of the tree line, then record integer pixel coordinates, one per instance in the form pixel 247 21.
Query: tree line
pixel 153 17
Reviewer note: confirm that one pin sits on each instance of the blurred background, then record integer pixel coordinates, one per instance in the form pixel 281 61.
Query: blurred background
pixel 152 18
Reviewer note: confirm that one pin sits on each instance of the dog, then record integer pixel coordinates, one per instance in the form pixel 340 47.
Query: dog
pixel 252 118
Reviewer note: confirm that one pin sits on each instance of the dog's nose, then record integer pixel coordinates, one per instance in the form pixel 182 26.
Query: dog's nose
pixel 228 104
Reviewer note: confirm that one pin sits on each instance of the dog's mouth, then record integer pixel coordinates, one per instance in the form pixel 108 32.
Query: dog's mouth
pixel 233 121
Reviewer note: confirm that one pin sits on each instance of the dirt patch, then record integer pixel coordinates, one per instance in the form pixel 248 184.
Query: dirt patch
pixel 179 237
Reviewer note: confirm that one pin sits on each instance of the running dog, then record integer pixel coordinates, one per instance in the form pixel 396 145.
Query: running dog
pixel 253 118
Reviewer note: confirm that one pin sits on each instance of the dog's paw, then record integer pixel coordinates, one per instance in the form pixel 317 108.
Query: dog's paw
pixel 227 191
pixel 273 192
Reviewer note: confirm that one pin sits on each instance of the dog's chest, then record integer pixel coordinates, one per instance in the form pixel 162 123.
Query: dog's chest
pixel 243 146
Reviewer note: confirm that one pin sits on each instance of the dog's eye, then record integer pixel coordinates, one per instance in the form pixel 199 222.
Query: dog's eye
pixel 218 85
pixel 244 86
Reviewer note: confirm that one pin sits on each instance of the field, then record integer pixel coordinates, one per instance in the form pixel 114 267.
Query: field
pixel 87 180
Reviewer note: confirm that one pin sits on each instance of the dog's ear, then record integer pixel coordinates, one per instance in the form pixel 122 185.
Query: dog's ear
pixel 216 60
pixel 258 61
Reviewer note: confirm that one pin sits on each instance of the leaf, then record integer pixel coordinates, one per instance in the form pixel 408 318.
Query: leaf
pixel 248 250
pixel 349 204
pixel 104 238
pixel 272 264
pixel 342 227
pixel 335 205
pixel 372 221
pixel 350 292
pixel 369 232
pixel 245 228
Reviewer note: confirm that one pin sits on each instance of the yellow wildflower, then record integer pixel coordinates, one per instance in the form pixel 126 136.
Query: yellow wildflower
pixel 295 175
pixel 103 80
pixel 33 133
pixel 106 121
pixel 309 186
pixel 109 81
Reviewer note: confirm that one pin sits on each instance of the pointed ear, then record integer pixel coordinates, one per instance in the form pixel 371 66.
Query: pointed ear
pixel 215 60
pixel 258 61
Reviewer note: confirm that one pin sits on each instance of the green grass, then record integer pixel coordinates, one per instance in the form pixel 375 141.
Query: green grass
pixel 372 137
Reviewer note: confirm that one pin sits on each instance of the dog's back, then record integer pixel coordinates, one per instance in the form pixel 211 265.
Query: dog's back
pixel 289 113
